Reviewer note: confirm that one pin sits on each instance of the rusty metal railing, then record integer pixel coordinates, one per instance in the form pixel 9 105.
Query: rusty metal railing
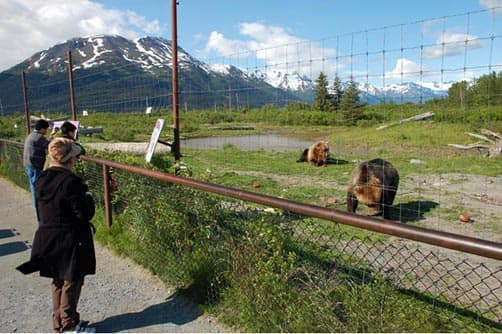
pixel 453 241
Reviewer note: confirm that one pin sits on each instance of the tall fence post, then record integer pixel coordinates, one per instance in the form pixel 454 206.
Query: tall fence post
pixel 174 43
pixel 72 91
pixel 107 196
pixel 25 99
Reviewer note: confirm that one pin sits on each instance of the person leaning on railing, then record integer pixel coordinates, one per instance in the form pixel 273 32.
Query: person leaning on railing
pixel 68 130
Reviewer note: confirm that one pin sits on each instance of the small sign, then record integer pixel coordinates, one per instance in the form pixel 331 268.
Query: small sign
pixel 154 139
pixel 85 113
pixel 58 125
pixel 148 110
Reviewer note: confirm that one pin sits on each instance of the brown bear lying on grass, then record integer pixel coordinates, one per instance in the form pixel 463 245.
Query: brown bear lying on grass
pixel 317 154
pixel 373 183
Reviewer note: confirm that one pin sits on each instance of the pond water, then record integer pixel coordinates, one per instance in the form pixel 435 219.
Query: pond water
pixel 267 142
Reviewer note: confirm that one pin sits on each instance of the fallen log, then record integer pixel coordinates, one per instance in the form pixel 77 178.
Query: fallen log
pixel 410 119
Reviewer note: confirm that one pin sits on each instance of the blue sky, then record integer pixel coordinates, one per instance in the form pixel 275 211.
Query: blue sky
pixel 248 33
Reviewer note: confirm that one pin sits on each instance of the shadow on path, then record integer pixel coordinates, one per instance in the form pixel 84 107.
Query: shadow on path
pixel 12 247
pixel 6 233
pixel 174 310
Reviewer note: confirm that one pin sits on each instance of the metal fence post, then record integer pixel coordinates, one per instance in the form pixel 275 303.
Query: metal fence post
pixel 107 196
pixel 72 90
pixel 25 99
pixel 176 122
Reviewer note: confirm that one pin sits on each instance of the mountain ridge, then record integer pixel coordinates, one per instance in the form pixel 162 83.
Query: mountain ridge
pixel 113 57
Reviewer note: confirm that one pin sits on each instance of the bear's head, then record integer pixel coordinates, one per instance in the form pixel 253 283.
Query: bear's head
pixel 320 152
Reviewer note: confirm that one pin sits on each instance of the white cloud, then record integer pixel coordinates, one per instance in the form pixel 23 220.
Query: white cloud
pixel 140 22
pixel 452 44
pixel 405 68
pixel 29 26
pixel 274 48
pixel 492 4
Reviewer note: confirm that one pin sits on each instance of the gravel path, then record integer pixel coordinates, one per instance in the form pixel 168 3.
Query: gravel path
pixel 121 297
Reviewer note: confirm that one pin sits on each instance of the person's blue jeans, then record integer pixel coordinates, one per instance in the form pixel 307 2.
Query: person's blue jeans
pixel 33 175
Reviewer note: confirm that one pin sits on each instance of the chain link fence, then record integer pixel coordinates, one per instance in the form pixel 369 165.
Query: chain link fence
pixel 246 259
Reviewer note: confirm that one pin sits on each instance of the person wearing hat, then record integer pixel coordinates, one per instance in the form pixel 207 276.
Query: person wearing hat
pixel 35 147
pixel 63 246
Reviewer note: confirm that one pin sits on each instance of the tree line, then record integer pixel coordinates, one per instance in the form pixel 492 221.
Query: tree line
pixel 484 91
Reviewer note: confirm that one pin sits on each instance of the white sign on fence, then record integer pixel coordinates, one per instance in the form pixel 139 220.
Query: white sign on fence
pixel 153 139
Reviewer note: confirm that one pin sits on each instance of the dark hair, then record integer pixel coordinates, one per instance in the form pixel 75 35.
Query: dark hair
pixel 41 124
pixel 67 127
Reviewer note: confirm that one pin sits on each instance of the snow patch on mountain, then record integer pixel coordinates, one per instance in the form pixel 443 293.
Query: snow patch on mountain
pixel 287 80
pixel 36 64
pixel 221 68
pixel 98 50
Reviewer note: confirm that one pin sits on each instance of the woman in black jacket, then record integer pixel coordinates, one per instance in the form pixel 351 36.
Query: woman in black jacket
pixel 63 247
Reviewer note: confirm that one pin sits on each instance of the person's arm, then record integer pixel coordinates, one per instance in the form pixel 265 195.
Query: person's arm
pixel 81 202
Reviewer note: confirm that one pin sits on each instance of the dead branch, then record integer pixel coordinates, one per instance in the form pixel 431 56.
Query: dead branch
pixel 494 148
pixel 475 135
pixel 490 133
pixel 470 146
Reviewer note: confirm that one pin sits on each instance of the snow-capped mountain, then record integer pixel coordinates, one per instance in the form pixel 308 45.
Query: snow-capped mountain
pixel 113 64
pixel 399 93
pixel 293 81
pixel 403 92
pixel 114 73
pixel 148 53
pixel 154 54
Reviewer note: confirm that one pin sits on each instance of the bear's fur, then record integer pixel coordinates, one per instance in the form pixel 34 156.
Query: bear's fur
pixel 317 154
pixel 374 183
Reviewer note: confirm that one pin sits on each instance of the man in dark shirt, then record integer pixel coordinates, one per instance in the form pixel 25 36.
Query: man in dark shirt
pixel 35 149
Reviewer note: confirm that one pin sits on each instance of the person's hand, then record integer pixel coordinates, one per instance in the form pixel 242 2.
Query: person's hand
pixel 89 197
pixel 54 132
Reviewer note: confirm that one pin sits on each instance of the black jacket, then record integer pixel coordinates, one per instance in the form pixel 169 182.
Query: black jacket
pixel 63 246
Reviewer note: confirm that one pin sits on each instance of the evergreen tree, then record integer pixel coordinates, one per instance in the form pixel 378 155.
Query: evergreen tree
pixel 322 96
pixel 349 104
pixel 337 92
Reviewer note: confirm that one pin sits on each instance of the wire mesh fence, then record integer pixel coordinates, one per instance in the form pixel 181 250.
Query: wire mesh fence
pixel 466 285
pixel 353 279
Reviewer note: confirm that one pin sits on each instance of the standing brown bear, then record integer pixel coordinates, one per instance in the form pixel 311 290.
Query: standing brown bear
pixel 373 183
pixel 317 154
